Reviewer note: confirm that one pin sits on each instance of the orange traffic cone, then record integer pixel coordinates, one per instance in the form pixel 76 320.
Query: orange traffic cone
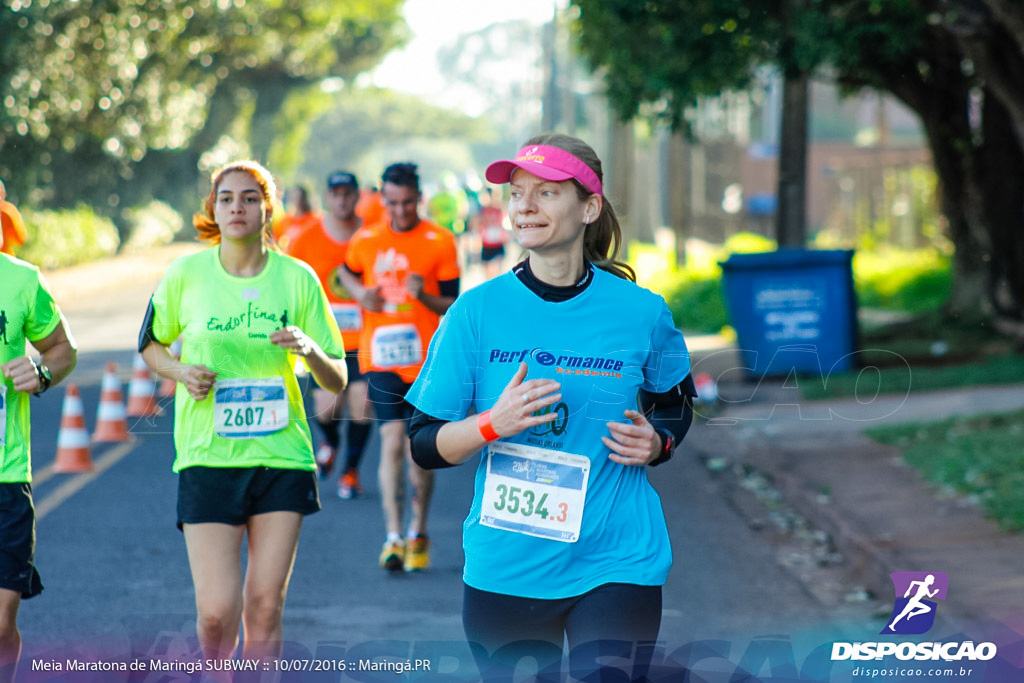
pixel 111 422
pixel 142 391
pixel 73 453
pixel 169 386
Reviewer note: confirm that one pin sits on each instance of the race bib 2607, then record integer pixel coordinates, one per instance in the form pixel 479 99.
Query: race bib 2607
pixel 249 408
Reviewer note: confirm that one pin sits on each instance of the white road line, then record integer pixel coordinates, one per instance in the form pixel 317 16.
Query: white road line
pixel 39 476
pixel 73 486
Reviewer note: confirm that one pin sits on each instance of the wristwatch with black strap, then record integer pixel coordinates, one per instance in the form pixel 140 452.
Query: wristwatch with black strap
pixel 668 444
pixel 45 378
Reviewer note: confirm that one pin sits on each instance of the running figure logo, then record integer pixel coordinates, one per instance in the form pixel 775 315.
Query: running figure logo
pixel 914 612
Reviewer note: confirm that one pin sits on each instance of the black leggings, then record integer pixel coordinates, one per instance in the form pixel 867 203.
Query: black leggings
pixel 611 631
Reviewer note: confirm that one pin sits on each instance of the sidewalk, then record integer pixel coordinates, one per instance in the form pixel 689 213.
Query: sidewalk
pixel 881 515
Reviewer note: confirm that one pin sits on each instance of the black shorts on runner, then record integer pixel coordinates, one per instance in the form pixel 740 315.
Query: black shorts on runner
pixel 491 253
pixel 18 541
pixel 386 392
pixel 231 495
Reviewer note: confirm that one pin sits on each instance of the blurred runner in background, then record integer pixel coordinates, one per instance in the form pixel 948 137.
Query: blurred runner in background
pixel 14 232
pixel 299 216
pixel 405 274
pixel 323 246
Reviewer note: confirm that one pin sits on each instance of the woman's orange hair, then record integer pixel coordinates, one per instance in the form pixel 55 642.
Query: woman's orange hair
pixel 205 224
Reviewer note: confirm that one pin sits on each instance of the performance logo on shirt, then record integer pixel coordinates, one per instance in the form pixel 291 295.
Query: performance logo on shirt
pixel 914 609
pixel 565 363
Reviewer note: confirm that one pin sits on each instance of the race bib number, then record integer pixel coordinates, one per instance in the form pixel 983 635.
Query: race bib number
pixel 348 316
pixel 3 416
pixel 395 346
pixel 249 408
pixel 535 491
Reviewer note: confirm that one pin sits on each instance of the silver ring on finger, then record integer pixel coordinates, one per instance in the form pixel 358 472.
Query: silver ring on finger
pixel 526 397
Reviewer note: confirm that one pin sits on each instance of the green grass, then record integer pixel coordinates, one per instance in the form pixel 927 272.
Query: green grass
pixel 981 457
pixel 885 278
pixel 924 353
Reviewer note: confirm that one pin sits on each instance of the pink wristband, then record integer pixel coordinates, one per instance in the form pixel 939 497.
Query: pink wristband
pixel 483 423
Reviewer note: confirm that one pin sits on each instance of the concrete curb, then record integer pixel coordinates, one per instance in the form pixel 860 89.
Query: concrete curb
pixel 880 514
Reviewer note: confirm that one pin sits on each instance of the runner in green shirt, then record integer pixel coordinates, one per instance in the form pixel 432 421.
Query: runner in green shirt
pixel 27 313
pixel 244 452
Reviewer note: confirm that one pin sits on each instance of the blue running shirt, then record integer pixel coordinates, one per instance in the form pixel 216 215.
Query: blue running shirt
pixel 602 345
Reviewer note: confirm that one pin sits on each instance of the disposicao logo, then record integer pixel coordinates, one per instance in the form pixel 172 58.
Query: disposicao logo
pixel 914 609
pixel 913 613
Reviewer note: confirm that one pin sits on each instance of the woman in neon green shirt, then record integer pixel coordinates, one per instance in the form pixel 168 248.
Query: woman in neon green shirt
pixel 243 449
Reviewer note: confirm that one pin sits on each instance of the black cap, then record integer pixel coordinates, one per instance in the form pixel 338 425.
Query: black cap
pixel 342 179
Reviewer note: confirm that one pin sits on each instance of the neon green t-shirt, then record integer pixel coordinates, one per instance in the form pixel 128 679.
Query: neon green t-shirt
pixel 27 312
pixel 254 416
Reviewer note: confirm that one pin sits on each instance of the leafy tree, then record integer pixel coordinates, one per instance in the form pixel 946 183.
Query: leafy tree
pixel 954 62
pixel 116 100
pixel 362 118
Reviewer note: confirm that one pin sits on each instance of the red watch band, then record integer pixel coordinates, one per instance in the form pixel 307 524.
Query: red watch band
pixel 483 423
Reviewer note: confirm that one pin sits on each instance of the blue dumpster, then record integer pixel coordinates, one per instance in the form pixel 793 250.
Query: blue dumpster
pixel 793 310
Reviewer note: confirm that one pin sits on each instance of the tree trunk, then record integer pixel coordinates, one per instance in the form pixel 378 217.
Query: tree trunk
pixel 791 219
pixel 1000 171
pixel 941 104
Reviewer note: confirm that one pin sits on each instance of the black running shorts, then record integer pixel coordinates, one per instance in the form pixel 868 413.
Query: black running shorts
pixel 231 495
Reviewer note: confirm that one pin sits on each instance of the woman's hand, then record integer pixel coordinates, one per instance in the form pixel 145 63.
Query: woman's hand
pixel 198 379
pixel 513 411
pixel 292 339
pixel 632 444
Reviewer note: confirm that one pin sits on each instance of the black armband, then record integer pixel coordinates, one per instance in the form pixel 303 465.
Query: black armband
pixel 423 431
pixel 678 396
pixel 146 336
pixel 670 413
pixel 449 288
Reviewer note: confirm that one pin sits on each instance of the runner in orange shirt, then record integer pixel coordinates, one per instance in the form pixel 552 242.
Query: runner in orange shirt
pixel 14 233
pixel 300 215
pixel 370 207
pixel 405 274
pixel 323 246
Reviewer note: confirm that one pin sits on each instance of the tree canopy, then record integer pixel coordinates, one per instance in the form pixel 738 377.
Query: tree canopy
pixel 105 98
pixel 341 137
pixel 954 62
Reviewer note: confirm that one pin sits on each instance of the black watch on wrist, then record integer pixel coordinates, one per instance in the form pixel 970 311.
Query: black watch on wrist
pixel 45 379
pixel 668 445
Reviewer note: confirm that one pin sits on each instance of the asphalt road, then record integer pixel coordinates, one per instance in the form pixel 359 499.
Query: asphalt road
pixel 118 584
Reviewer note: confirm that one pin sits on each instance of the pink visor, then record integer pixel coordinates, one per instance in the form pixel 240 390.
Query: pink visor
pixel 549 163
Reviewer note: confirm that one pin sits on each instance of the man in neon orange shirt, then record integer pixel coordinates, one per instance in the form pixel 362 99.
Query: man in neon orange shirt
pixel 323 246
pixel 14 232
pixel 405 273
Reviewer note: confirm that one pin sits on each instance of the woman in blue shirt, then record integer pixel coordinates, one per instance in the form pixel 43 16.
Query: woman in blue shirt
pixel 567 402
